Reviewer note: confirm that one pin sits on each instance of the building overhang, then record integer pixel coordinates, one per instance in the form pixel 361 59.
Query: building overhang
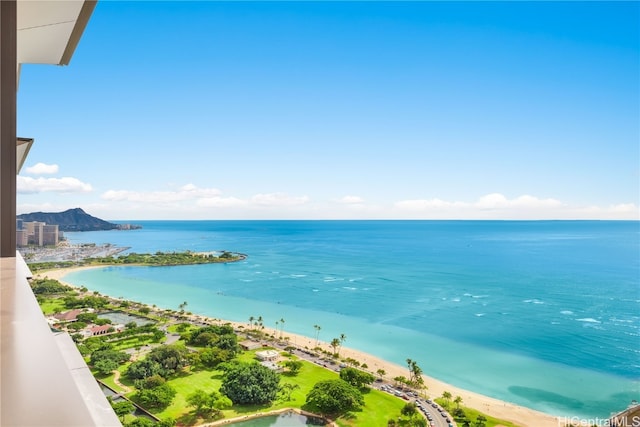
pixel 23 145
pixel 48 32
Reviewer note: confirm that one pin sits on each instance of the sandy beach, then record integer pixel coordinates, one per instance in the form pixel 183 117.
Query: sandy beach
pixel 494 407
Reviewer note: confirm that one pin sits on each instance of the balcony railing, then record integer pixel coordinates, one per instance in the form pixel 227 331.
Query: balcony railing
pixel 43 379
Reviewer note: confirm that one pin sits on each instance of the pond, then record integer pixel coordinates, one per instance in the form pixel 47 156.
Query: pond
pixel 120 318
pixel 286 419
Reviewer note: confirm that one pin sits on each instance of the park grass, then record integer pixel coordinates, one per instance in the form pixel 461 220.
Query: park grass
pixel 185 384
pixel 124 379
pixel 52 305
pixel 108 381
pixel 135 341
pixel 379 406
pixel 173 328
pixel 472 415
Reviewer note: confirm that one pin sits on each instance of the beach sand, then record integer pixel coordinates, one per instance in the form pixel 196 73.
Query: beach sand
pixel 519 415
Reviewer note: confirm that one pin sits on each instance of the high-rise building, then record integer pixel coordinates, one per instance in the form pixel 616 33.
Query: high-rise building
pixel 50 235
pixel 37 233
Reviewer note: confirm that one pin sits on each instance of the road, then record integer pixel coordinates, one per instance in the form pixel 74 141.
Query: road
pixel 438 419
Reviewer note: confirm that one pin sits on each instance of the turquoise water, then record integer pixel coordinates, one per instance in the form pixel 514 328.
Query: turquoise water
pixel 544 314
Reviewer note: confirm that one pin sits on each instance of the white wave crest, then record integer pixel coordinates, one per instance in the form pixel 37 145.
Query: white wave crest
pixel 588 320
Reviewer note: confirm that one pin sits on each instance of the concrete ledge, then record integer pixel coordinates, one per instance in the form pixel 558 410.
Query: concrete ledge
pixel 43 379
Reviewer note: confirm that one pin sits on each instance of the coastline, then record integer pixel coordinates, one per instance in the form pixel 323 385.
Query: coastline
pixel 519 415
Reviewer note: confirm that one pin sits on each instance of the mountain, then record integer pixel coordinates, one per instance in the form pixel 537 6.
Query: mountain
pixel 75 220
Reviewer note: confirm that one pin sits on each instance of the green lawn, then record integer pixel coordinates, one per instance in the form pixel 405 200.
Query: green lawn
pixel 472 414
pixel 135 341
pixel 174 328
pixel 52 305
pixel 186 384
pixel 109 379
pixel 378 405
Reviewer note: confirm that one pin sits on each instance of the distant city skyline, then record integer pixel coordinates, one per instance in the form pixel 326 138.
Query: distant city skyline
pixel 340 110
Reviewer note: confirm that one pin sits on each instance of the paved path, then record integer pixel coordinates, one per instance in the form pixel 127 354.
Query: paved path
pixel 116 380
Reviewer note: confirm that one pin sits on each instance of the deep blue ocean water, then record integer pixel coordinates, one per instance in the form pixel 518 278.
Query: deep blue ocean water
pixel 545 314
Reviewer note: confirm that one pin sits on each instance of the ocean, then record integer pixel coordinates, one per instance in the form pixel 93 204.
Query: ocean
pixel 544 314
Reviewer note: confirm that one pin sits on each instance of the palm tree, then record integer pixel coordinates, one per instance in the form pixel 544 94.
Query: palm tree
pixel 417 373
pixel 447 397
pixel 381 373
pixel 410 365
pixel 281 326
pixel 343 338
pixel 182 306
pixel 457 401
pixel 251 319
pixel 335 343
pixel 317 328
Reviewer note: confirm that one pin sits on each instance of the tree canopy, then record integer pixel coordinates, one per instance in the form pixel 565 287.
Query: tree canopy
pixel 335 397
pixel 118 357
pixel 222 337
pixel 143 368
pixel 293 366
pixel 356 377
pixel 250 383
pixel 157 397
pixel 207 403
pixel 171 358
pixel 48 287
pixel 123 408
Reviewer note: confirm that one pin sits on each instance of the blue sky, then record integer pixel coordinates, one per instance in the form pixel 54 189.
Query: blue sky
pixel 331 110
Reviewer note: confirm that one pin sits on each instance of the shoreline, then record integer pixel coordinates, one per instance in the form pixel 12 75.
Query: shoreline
pixel 497 408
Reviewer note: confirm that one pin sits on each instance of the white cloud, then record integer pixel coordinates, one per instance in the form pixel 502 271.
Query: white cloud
pixel 22 208
pixel 186 192
pixel 351 200
pixel 28 185
pixel 623 208
pixel 498 206
pixel 42 169
pixel 628 211
pixel 492 201
pixel 278 199
pixel 191 201
pixel 220 202
pixel 499 201
pixel 425 205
